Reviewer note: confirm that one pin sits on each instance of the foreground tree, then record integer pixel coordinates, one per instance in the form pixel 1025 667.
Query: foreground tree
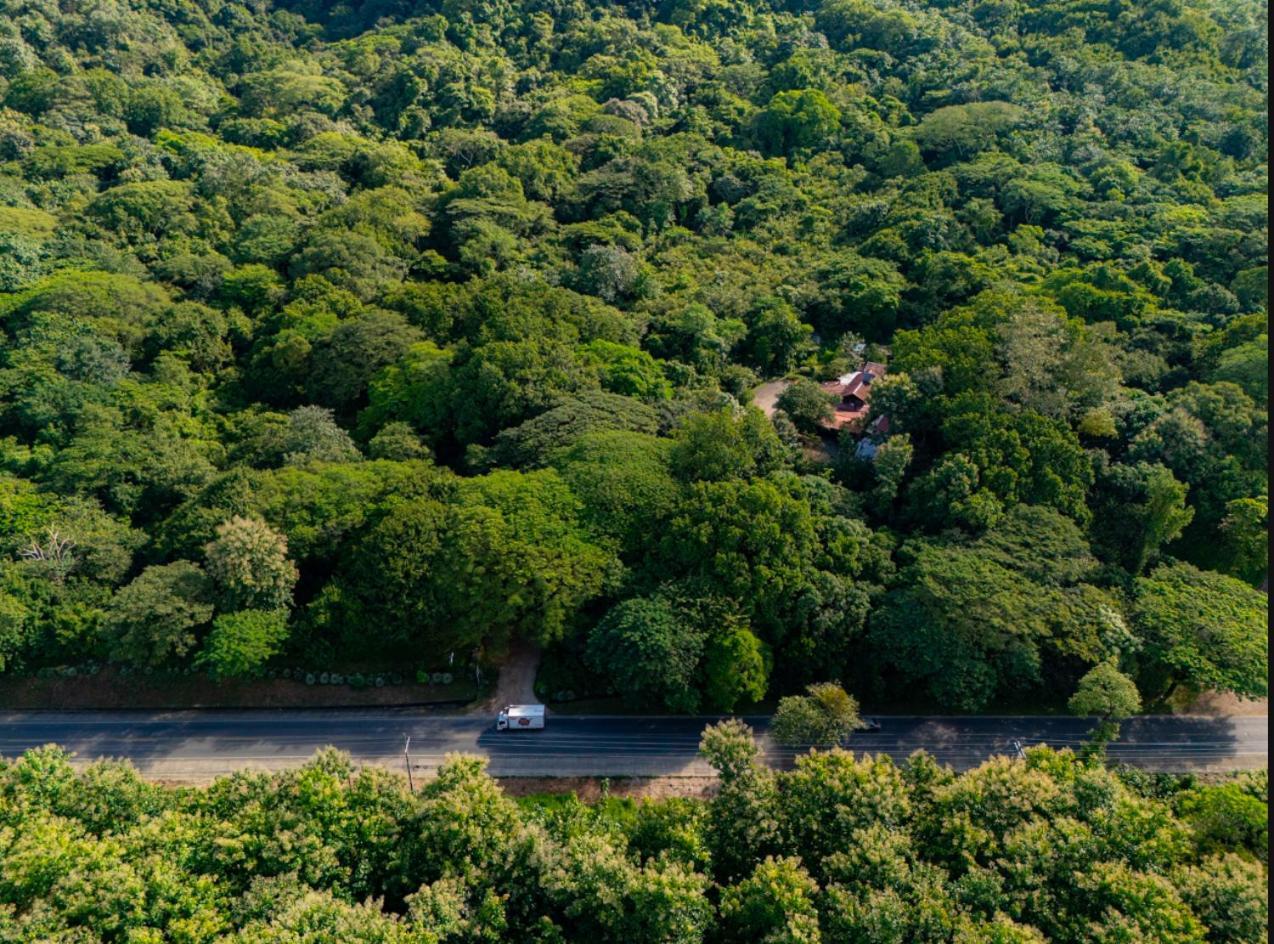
pixel 1106 693
pixel 775 904
pixel 823 717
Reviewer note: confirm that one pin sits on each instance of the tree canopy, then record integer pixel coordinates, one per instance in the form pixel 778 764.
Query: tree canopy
pixel 388 333
pixel 840 847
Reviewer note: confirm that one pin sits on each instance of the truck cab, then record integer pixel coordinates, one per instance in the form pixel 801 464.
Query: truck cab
pixel 520 718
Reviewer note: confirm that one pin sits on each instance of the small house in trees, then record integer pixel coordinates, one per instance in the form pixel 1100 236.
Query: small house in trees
pixel 853 399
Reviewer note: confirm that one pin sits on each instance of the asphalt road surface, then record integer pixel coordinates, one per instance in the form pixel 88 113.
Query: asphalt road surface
pixel 196 746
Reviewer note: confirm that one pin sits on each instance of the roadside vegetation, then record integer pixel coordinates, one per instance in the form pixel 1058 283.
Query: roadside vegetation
pixel 373 337
pixel 838 849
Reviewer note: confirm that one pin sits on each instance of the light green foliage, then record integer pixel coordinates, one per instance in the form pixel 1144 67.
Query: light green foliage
pixel 248 561
pixel 509 556
pixel 890 466
pixel 398 441
pixel 961 130
pixel 836 808
pixel 836 848
pixel 311 435
pixel 823 717
pixel 242 641
pixel 627 370
pixel 724 444
pixel 736 669
pixel 1204 630
pixel 532 444
pixel 743 823
pixel 1244 528
pixel 1106 693
pixel 1229 895
pixel 1227 816
pixel 970 620
pixel 775 903
pixel 623 483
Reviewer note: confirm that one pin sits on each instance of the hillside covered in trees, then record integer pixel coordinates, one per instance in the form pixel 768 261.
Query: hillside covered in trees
pixel 838 850
pixel 387 332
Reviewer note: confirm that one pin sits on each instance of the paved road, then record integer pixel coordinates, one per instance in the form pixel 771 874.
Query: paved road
pixel 198 745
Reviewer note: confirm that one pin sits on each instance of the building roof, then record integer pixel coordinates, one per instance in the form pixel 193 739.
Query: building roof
pixel 853 391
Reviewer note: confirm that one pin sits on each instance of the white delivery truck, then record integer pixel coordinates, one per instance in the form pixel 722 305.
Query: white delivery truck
pixel 520 718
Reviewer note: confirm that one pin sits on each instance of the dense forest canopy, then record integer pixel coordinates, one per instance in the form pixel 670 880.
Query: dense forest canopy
pixel 380 332
pixel 837 850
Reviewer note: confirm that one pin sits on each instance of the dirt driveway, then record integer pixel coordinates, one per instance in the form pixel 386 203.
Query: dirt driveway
pixel 516 683
pixel 767 394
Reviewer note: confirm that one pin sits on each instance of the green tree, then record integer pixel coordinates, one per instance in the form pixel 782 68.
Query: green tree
pixel 649 651
pixel 1140 508
pixel 1245 530
pixel 959 131
pixel 533 443
pixel 156 617
pixel 509 557
pixel 724 444
pixel 776 336
pixel 1106 693
pixel 736 669
pixel 823 717
pixel 774 904
pixel 1202 630
pixel 624 485
pixel 808 404
pixel 742 820
pixel 248 562
pixel 795 120
pixel 963 625
pixel 312 435
pixel 890 465
pixel 243 641
pixel 1226 816
pixel 1229 895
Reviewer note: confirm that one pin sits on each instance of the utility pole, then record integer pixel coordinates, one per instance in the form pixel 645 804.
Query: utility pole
pixel 407 763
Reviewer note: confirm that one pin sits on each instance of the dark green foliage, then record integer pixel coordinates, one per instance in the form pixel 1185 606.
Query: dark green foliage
pixel 807 404
pixel 650 651
pixel 468 304
pixel 154 619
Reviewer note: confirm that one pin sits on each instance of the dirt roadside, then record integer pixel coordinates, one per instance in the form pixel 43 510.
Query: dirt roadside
pixel 591 789
pixel 1227 705
pixel 108 690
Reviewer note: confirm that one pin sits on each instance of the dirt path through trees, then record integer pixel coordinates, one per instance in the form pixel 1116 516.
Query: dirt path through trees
pixel 516 684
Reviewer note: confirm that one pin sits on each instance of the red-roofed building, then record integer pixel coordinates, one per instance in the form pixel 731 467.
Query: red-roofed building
pixel 853 393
